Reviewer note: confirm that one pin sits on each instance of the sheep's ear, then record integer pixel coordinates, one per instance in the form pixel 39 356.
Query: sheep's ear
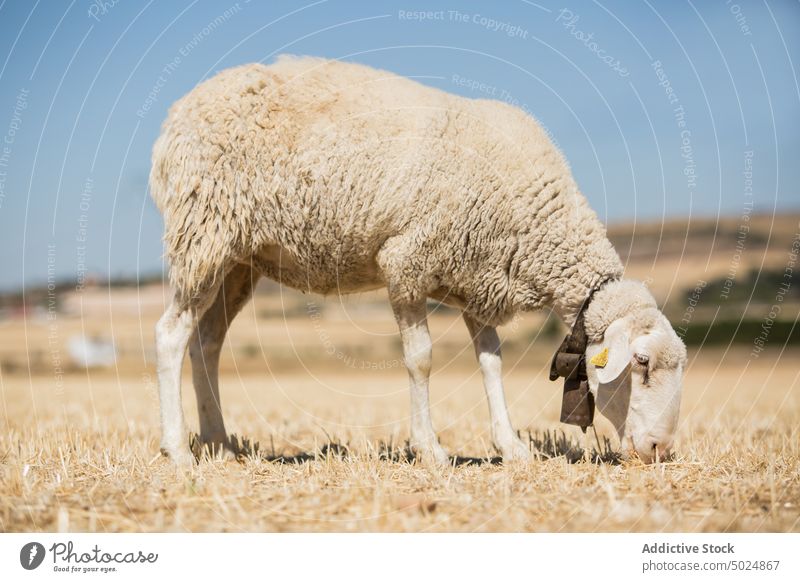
pixel 616 352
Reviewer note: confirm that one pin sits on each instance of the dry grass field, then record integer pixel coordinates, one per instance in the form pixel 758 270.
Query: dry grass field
pixel 316 386
pixel 87 459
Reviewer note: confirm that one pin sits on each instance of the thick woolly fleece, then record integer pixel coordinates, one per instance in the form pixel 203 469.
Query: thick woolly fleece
pixel 613 301
pixel 336 177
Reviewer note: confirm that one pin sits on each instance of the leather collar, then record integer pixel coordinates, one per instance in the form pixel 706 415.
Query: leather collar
pixel 569 362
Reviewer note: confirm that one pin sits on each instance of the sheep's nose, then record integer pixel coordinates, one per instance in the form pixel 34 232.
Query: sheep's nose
pixel 653 448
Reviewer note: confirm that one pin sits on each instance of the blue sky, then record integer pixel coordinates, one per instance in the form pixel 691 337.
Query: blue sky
pixel 83 91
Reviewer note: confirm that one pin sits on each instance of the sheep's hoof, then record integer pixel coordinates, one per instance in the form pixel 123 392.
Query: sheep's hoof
pixel 182 458
pixel 217 451
pixel 431 455
pixel 214 448
pixel 514 451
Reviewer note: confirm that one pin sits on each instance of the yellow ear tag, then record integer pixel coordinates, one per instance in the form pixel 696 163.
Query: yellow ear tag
pixel 600 360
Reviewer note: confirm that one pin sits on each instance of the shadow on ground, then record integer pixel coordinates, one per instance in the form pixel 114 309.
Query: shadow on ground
pixel 543 445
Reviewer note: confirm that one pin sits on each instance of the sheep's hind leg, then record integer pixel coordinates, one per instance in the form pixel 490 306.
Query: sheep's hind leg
pixel 487 350
pixel 204 350
pixel 173 332
pixel 417 348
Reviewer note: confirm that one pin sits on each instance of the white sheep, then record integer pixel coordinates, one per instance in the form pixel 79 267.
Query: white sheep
pixel 338 178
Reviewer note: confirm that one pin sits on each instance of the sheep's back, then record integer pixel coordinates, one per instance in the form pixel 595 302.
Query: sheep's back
pixel 328 160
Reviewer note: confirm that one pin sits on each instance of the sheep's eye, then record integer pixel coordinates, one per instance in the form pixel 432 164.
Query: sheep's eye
pixel 641 359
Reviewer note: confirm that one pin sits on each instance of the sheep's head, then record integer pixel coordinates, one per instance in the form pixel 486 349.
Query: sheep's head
pixel 635 369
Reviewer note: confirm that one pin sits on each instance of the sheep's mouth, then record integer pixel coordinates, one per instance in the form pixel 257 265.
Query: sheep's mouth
pixel 630 452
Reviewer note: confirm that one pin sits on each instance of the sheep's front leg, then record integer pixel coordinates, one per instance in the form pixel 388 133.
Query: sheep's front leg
pixel 417 348
pixel 487 350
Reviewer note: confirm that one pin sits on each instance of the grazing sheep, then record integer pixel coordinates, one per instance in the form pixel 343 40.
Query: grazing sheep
pixel 338 178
